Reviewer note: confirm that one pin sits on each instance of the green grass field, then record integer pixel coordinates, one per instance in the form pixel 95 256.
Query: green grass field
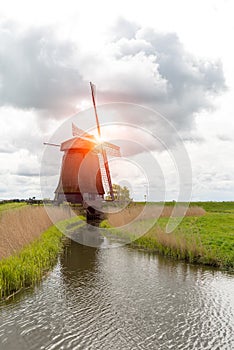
pixel 8 206
pixel 207 239
pixel 216 207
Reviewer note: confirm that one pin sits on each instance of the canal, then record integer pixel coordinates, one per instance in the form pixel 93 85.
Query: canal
pixel 121 298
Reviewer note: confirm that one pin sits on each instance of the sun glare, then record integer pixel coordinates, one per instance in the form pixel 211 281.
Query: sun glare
pixel 99 139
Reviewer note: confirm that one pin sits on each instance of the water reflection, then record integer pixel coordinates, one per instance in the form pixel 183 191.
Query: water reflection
pixel 77 258
pixel 122 299
pixel 92 235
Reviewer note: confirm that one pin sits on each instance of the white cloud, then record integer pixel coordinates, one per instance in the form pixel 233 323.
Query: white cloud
pixel 47 62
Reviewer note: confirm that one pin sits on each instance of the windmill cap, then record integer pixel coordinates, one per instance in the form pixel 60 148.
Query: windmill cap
pixel 78 143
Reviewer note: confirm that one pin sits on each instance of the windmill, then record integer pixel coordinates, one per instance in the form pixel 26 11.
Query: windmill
pixel 84 151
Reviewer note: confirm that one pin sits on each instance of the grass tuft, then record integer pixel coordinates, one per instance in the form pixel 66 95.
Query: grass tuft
pixel 28 267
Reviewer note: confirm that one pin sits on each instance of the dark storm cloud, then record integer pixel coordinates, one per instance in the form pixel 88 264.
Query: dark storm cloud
pixel 163 75
pixel 36 70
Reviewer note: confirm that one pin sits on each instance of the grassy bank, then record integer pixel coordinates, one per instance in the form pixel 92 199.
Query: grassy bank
pixel 205 239
pixel 21 225
pixel 27 267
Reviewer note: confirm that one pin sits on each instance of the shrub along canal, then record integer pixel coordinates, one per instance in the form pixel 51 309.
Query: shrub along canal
pixel 121 299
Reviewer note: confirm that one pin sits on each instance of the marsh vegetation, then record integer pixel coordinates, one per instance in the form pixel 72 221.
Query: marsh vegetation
pixel 205 235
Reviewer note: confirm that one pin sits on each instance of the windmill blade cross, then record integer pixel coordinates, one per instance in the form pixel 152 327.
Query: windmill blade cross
pixel 110 148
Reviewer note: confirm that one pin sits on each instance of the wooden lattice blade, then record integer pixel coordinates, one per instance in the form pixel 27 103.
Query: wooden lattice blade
pixel 110 149
pixel 103 174
pixel 81 133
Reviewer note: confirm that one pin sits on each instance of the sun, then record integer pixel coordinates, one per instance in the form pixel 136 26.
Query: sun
pixel 99 139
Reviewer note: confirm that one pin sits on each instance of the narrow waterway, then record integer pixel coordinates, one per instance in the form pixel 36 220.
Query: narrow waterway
pixel 121 299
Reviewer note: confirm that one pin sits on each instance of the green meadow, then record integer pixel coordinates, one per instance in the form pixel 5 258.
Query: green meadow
pixel 205 239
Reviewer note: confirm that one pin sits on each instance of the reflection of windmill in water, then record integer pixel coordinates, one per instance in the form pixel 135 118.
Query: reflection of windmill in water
pixel 85 174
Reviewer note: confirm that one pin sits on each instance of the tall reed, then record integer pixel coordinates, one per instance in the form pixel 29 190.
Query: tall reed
pixel 27 267
pixel 138 212
pixel 22 226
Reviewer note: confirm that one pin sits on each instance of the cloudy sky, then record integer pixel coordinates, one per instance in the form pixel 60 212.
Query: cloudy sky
pixel 158 58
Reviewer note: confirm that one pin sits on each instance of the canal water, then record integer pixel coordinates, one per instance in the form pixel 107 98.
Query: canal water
pixel 121 299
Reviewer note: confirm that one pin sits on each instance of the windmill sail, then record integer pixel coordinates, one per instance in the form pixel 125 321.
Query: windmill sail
pixel 80 133
pixel 103 151
pixel 110 148
pixel 103 173
pixel 95 178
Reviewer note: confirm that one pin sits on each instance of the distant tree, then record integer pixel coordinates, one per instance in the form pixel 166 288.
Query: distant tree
pixel 120 193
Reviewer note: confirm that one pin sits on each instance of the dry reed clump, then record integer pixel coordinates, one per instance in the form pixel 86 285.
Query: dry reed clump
pixel 179 245
pixel 20 227
pixel 137 212
pixel 195 211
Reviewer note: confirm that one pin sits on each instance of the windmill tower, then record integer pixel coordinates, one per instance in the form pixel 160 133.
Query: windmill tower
pixel 85 173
